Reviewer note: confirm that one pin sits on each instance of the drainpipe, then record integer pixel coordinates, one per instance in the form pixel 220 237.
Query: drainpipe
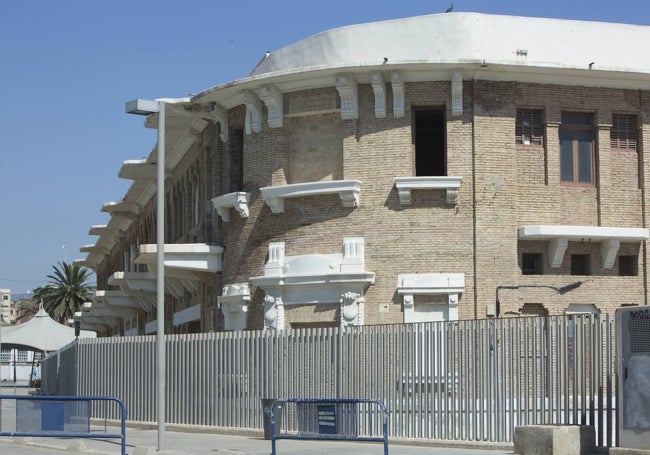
pixel 474 249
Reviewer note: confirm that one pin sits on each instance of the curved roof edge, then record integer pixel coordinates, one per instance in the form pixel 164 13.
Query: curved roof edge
pixel 457 38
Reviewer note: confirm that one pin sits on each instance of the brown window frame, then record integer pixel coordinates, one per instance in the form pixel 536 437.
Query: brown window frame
pixel 529 124
pixel 577 130
pixel 623 135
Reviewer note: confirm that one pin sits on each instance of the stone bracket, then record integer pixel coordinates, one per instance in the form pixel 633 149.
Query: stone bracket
pixel 349 93
pixel 272 98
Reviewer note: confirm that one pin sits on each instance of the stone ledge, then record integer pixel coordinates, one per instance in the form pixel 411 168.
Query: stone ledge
pixel 554 440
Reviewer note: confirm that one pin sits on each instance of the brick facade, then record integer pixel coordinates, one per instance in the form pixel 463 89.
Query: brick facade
pixel 504 186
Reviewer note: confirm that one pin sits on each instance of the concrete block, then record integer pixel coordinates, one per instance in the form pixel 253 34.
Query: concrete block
pixel 76 446
pixel 554 440
pixel 142 450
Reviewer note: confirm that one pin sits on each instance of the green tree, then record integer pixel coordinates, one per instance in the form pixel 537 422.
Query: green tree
pixel 66 292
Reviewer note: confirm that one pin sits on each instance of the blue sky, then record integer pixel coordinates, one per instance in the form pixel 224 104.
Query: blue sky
pixel 67 68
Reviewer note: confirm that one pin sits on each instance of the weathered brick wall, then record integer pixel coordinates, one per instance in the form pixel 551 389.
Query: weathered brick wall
pixel 504 187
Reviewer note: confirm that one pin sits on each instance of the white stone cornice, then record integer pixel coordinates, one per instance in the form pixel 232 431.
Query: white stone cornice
pixel 379 89
pixel 349 94
pixel 128 209
pixel 397 86
pixel 94 249
pixel 253 122
pixel 238 200
pixel 412 284
pixel 140 286
pixel 338 279
pixel 559 236
pixel 348 191
pixel 140 170
pixel 456 93
pixel 182 259
pixel 119 299
pixel 105 230
pixel 272 98
pixel 406 184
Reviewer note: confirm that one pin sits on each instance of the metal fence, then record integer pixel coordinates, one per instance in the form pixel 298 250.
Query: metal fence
pixel 461 380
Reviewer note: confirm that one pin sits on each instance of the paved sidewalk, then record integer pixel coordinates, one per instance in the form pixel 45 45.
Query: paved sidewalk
pixel 191 440
pixel 144 442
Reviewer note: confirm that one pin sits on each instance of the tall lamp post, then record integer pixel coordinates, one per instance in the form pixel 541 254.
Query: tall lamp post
pixel 146 107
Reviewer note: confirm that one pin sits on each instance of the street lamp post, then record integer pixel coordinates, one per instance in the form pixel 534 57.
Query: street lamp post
pixel 146 107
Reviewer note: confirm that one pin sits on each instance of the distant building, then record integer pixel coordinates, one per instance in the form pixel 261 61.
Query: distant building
pixel 442 167
pixel 6 314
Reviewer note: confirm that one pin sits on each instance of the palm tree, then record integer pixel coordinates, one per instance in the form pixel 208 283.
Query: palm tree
pixel 67 291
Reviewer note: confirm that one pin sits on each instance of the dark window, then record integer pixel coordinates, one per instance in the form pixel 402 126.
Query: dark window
pixel 236 161
pixel 533 309
pixel 528 127
pixel 580 264
pixel 429 138
pixel 531 263
pixel 623 132
pixel 628 265
pixel 576 149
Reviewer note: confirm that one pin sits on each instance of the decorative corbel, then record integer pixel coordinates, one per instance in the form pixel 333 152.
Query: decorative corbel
pixel 397 86
pixel 379 89
pixel 456 93
pixel 253 122
pixel 351 309
pixel 272 98
pixel 349 93
pixel 273 313
pixel 218 114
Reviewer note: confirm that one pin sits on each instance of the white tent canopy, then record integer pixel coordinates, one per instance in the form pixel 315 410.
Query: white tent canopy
pixel 42 333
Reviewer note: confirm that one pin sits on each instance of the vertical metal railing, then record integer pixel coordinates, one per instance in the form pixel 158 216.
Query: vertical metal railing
pixel 462 380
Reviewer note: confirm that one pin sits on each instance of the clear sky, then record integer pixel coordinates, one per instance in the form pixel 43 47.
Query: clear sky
pixel 67 68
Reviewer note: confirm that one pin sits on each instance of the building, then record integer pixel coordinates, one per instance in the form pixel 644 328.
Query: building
pixel 6 307
pixel 441 167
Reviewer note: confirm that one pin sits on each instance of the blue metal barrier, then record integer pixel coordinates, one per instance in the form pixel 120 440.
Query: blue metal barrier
pixel 60 417
pixel 339 419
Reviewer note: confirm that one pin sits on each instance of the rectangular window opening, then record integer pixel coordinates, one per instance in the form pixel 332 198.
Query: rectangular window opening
pixel 236 160
pixel 531 264
pixel 529 129
pixel 580 264
pixel 429 139
pixel 628 266
pixel 623 135
pixel 577 162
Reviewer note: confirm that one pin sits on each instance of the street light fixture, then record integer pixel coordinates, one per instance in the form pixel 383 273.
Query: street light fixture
pixel 147 107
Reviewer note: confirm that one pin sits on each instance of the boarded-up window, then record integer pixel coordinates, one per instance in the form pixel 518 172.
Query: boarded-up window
pixel 528 127
pixel 623 133
pixel 316 148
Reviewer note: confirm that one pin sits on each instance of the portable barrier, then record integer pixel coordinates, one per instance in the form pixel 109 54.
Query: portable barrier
pixel 61 417
pixel 329 419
